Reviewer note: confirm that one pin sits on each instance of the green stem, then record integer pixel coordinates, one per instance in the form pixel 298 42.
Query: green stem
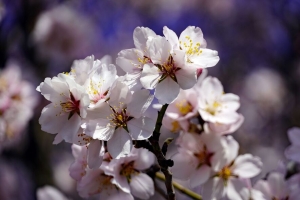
pixel 179 187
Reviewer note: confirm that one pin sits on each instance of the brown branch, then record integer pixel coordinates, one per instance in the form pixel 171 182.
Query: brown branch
pixel 162 161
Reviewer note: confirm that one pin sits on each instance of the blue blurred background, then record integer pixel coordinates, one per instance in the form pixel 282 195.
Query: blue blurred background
pixel 258 43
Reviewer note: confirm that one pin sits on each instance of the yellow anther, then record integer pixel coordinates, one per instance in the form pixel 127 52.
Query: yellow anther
pixel 184 107
pixel 175 126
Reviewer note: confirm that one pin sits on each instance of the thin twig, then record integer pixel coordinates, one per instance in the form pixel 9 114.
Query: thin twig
pixel 179 187
pixel 162 161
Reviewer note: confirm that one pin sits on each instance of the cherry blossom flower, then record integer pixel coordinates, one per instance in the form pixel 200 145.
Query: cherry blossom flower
pixel 68 106
pixel 293 184
pixel 133 60
pixel 214 105
pixel 274 187
pixel 121 120
pixel 197 154
pixel 191 41
pixel 226 176
pixel 128 176
pixel 292 152
pixel 167 72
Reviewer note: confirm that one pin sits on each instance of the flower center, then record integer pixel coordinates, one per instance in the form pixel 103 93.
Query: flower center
pixel 175 126
pixel 190 47
pixel 203 157
pixel 119 117
pixel 144 60
pixel 184 107
pixel 212 109
pixel 71 106
pixel 127 170
pixel 168 69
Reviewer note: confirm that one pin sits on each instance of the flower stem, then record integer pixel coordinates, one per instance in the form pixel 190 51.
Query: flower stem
pixel 162 161
pixel 179 187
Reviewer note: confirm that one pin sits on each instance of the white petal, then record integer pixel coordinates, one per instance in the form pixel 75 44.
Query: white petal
pixel 99 129
pixel 183 166
pixel 141 100
pixel 171 37
pixel 144 160
pixel 186 78
pixel 120 144
pixel 247 166
pixel 141 129
pixel 140 37
pixel 119 94
pixel 208 58
pixel 128 60
pixel 150 76
pixel 200 176
pixel 94 155
pixel 50 120
pixel 160 49
pixel 70 128
pixel 232 148
pixel 167 91
pixel 232 189
pixel 141 186
pixel 293 153
pixel 213 189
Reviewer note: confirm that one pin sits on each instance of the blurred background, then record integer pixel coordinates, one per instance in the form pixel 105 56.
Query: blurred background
pixel 258 43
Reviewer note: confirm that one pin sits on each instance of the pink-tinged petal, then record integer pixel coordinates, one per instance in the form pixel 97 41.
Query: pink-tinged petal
pixel 211 89
pixel 70 128
pixel 50 120
pixel 218 128
pixel 231 149
pixel 294 135
pixel 278 185
pixel 264 188
pixel 233 186
pixel 141 36
pixel 141 100
pixel 171 37
pixel 128 60
pixel 141 128
pixel 293 153
pixel 247 166
pixel 183 167
pixel 150 76
pixel 167 91
pixel 208 58
pixel 58 139
pixel 94 158
pixel 213 189
pixel 200 176
pixel 141 186
pixel 120 144
pixel 186 78
pixel 159 48
pixel 144 160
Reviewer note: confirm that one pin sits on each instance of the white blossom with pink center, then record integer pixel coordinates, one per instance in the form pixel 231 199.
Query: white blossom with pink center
pixel 69 103
pixel 128 176
pixel 215 106
pixel 191 41
pixel 121 120
pixel 184 107
pixel 133 60
pixel 292 152
pixel 167 73
pixel 225 178
pixel 197 155
pixel 274 187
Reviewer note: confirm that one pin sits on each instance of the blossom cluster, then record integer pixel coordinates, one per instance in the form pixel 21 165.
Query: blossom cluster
pixel 17 101
pixel 103 115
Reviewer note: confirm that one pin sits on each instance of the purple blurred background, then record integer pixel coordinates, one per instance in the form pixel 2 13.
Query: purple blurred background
pixel 258 43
